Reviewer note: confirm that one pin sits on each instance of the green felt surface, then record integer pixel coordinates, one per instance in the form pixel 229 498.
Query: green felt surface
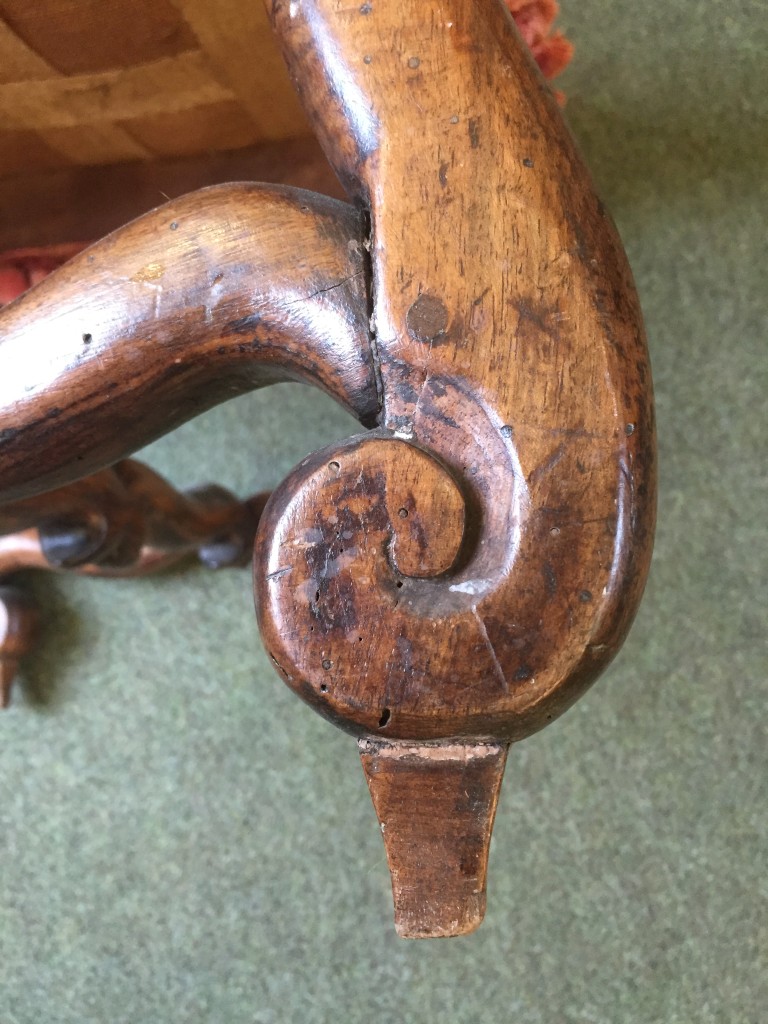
pixel 182 840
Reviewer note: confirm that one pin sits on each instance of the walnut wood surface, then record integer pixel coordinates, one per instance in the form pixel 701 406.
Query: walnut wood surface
pixel 123 521
pixel 435 804
pixel 207 297
pixel 126 520
pixel 105 81
pixel 18 627
pixel 510 349
pixel 510 346
pixel 346 545
pixel 455 579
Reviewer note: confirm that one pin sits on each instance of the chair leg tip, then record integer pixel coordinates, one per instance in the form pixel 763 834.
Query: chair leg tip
pixel 436 804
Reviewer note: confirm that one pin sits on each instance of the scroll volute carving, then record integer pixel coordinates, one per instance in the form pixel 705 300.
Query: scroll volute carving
pixel 454 579
pixel 515 459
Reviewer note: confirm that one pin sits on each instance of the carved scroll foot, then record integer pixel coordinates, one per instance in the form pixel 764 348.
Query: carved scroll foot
pixel 454 580
pixel 436 803
pixel 458 581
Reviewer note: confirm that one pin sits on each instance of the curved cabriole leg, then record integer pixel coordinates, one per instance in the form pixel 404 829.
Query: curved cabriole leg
pixel 457 581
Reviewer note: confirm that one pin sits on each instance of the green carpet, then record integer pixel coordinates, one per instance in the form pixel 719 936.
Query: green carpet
pixel 182 840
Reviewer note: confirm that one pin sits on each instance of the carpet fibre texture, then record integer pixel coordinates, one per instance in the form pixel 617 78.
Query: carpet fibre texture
pixel 181 840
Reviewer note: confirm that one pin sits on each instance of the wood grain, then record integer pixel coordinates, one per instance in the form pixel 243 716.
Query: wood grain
pixel 435 804
pixel 203 299
pixel 510 345
pixel 456 578
pixel 95 82
pixel 126 520
pixel 510 348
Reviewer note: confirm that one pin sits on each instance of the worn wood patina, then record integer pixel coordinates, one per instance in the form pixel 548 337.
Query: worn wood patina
pixel 454 577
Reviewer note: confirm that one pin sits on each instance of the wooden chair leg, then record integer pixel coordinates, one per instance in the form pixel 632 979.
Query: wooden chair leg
pixel 453 579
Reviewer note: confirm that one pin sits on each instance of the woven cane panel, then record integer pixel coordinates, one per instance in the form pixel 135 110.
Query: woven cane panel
pixel 87 82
